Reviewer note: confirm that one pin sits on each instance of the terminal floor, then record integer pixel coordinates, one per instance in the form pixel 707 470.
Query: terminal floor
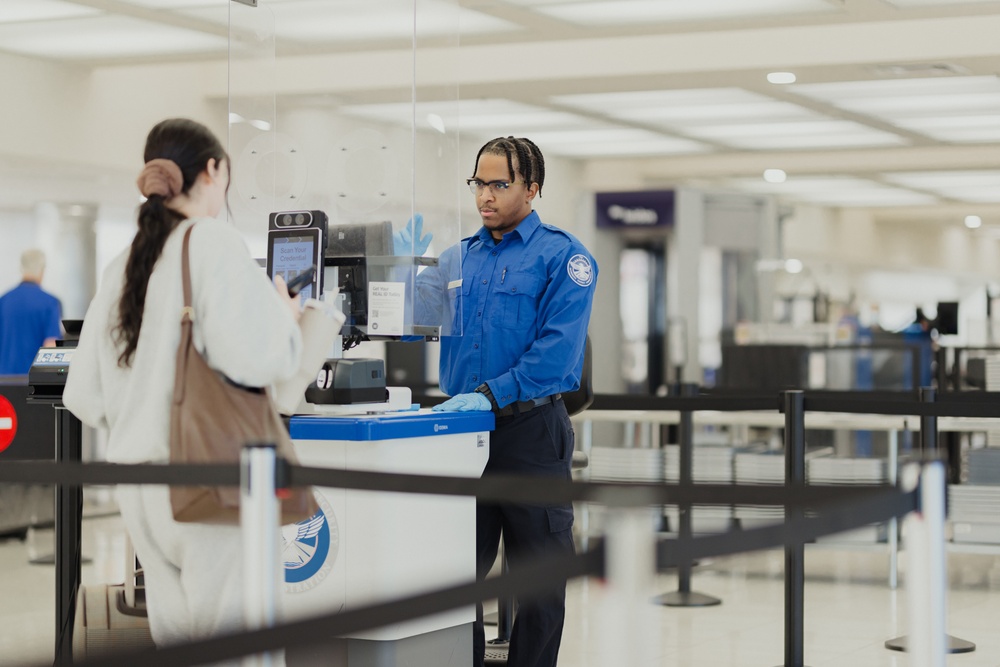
pixel 849 608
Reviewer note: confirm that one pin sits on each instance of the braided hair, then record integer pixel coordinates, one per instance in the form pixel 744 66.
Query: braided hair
pixel 530 162
pixel 190 145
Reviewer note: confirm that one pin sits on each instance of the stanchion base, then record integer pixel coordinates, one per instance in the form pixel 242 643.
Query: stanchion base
pixel 689 599
pixel 955 645
pixel 50 559
pixel 496 652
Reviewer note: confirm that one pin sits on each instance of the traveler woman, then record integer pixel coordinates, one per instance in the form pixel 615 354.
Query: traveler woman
pixel 122 373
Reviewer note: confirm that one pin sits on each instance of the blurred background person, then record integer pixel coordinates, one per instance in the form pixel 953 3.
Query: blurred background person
pixel 29 317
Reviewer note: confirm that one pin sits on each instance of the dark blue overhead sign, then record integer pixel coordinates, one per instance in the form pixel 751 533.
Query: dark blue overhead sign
pixel 648 208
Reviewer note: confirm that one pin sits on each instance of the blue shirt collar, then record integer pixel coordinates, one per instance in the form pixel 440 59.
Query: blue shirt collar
pixel 524 229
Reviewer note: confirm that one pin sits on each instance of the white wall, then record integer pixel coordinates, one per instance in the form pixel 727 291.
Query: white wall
pixel 101 116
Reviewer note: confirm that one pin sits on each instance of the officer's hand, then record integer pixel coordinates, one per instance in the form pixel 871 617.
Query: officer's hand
pixel 410 241
pixel 464 403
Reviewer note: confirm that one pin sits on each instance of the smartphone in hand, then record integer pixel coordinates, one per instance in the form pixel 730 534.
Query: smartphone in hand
pixel 296 284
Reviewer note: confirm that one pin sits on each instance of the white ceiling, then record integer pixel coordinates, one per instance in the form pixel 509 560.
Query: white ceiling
pixel 896 104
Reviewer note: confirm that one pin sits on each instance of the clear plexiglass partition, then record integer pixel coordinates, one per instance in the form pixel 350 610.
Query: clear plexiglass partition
pixel 318 130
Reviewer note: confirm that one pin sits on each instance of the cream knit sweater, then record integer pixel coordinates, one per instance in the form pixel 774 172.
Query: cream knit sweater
pixel 241 327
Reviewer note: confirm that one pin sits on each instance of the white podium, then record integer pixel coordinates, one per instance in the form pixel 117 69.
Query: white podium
pixel 367 547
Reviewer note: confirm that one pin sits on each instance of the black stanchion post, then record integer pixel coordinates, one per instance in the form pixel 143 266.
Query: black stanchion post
pixel 684 596
pixel 956 370
pixel 941 370
pixel 795 473
pixel 928 423
pixel 505 609
pixel 929 447
pixel 68 518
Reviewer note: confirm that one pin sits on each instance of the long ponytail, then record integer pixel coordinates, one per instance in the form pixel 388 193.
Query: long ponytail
pixel 189 146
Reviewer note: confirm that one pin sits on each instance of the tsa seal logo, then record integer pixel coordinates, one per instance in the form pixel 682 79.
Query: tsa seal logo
pixel 580 270
pixel 309 548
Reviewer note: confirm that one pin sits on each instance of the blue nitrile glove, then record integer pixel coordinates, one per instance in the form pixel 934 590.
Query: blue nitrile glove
pixel 411 239
pixel 464 403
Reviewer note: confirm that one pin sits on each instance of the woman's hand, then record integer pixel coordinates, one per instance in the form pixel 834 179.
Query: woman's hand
pixel 294 303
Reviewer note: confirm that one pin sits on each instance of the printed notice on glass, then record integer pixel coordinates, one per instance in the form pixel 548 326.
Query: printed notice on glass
pixel 385 308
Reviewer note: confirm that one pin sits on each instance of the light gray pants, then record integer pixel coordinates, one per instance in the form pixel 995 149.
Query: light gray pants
pixel 193 572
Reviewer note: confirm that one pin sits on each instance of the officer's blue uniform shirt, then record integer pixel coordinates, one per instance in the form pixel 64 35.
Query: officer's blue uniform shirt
pixel 524 309
pixel 28 315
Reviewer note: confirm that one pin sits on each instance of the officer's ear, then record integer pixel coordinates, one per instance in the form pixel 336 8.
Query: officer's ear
pixel 530 192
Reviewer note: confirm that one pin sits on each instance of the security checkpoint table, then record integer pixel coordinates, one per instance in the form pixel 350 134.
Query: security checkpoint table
pixel 368 547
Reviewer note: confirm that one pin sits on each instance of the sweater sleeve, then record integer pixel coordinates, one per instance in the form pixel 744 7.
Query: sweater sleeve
pixel 85 391
pixel 246 332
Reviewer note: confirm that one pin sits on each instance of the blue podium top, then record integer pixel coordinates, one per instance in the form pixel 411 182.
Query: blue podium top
pixel 388 426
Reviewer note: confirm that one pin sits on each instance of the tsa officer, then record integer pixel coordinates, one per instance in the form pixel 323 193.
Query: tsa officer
pixel 527 289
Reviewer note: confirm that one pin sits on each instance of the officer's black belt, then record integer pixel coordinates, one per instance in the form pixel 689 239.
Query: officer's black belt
pixel 520 407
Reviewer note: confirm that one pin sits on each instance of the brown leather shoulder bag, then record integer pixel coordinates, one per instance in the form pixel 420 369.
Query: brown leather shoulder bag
pixel 211 420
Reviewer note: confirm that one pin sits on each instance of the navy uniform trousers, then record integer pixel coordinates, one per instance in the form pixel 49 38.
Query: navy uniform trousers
pixel 538 443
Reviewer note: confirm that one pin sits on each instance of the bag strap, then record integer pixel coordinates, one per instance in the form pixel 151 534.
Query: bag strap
pixel 188 311
pixel 186 345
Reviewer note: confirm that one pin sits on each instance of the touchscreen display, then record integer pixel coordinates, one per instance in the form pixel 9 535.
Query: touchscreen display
pixel 291 253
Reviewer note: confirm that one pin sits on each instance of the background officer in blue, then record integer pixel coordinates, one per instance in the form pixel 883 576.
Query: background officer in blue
pixel 526 294
pixel 29 317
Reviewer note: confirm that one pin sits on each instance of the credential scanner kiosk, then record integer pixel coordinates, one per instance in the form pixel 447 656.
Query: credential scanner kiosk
pixel 363 547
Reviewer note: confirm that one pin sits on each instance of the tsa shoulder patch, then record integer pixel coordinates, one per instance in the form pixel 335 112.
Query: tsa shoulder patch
pixel 580 270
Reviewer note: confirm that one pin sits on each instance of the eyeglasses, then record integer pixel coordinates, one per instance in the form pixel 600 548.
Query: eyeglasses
pixel 476 186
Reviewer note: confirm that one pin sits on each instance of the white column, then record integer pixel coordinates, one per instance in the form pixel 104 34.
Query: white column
pixel 66 234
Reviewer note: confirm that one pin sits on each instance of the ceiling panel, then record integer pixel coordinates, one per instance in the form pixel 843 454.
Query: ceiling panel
pixel 40 10
pixel 950 109
pixel 471 115
pixel 611 12
pixel 175 4
pixel 559 132
pixel 214 13
pixel 956 128
pixel 980 186
pixel 608 140
pixel 936 3
pixel 795 135
pixel 349 20
pixel 104 36
pixel 890 88
pixel 836 191
pixel 732 117
pixel 686 106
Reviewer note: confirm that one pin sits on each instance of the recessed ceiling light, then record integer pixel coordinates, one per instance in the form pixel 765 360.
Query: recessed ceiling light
pixel 973 221
pixel 781 77
pixel 775 175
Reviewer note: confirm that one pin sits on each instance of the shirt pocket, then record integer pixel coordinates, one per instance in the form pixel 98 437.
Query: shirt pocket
pixel 516 304
pixel 458 298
